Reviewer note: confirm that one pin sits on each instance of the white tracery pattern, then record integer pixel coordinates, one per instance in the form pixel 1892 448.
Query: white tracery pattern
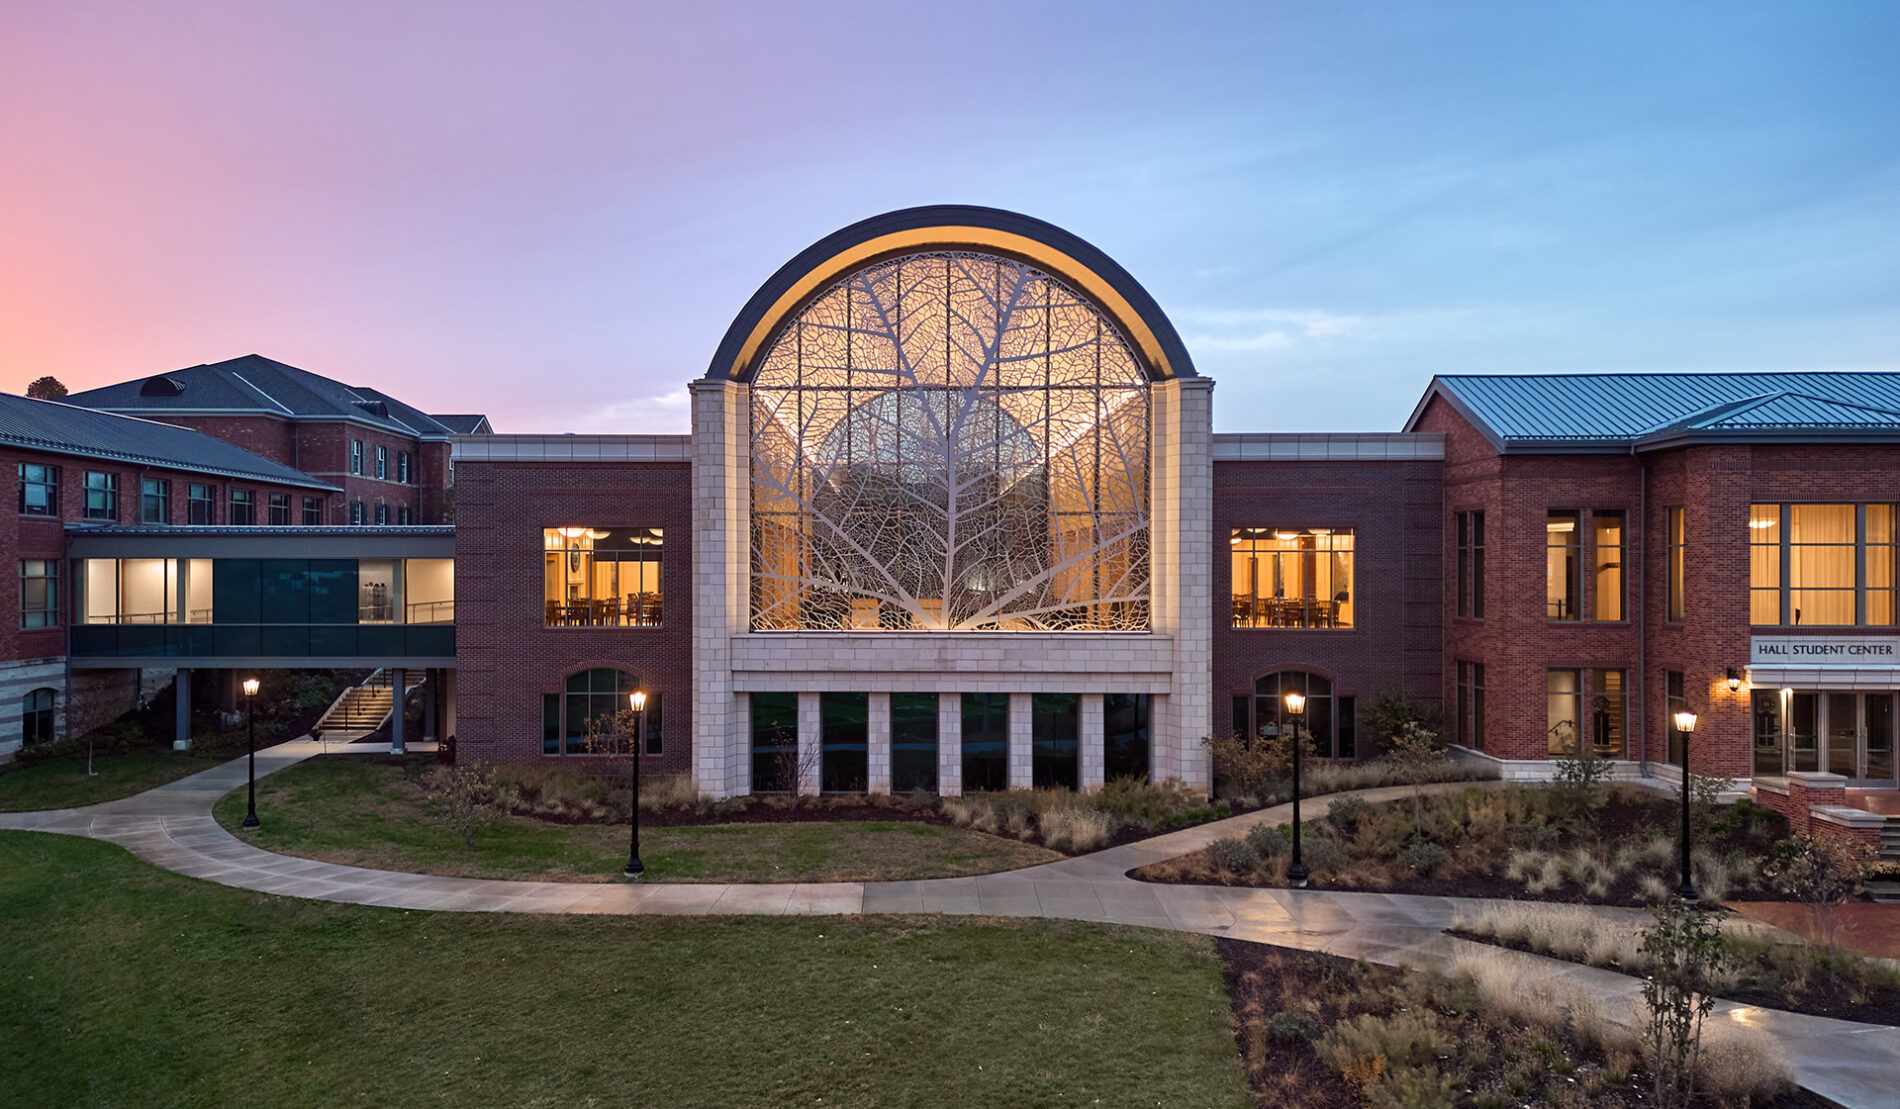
pixel 949 441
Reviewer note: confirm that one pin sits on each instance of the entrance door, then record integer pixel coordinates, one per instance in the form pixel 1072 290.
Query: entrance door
pixel 1877 762
pixel 1843 735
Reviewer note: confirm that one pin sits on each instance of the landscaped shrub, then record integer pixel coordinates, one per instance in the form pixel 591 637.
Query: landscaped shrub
pixel 1686 962
pixel 1346 814
pixel 1139 803
pixel 1232 855
pixel 1267 840
pixel 1321 855
pixel 1290 1026
pixel 1424 858
pixel 1074 829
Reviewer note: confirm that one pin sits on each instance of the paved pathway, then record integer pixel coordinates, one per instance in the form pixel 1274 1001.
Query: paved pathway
pixel 1853 1064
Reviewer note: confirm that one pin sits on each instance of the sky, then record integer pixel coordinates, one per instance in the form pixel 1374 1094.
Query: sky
pixel 550 212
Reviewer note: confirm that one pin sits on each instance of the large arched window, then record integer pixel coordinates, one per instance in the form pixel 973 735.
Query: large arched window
pixel 949 441
pixel 1332 720
pixel 36 716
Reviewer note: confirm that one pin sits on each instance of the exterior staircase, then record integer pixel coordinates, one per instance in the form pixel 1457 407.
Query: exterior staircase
pixel 364 708
pixel 1889 854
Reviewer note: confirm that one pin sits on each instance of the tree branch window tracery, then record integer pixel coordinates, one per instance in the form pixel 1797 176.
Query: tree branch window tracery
pixel 950 441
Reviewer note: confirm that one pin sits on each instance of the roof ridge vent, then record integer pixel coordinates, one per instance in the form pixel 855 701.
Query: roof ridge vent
pixel 161 386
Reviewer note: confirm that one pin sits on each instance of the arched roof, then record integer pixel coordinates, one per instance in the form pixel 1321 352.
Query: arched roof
pixel 952 227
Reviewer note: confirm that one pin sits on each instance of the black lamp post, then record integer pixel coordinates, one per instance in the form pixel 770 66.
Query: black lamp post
pixel 638 700
pixel 1685 723
pixel 250 743
pixel 1296 708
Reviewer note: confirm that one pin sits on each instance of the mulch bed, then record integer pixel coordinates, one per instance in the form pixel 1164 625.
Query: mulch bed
pixel 1825 995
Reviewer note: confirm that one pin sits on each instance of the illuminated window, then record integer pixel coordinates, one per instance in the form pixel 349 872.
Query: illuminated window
pixel 1609 713
pixel 1606 552
pixel 1821 565
pixel 949 441
pixel 602 577
pixel 1678 568
pixel 1564 709
pixel 1563 567
pixel 1292 577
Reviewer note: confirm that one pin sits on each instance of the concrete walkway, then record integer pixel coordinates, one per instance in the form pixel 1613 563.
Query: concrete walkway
pixel 1852 1064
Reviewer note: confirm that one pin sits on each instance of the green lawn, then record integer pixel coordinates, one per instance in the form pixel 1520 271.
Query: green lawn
pixel 127 985
pixel 63 783
pixel 368 810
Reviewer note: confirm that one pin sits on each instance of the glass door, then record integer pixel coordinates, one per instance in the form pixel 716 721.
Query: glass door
pixel 1878 766
pixel 1843 735
pixel 1804 731
pixel 1767 728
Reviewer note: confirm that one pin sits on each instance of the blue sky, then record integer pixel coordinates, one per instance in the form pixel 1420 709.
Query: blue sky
pixel 551 212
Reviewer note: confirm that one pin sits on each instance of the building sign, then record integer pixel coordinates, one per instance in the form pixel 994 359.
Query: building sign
pixel 1824 650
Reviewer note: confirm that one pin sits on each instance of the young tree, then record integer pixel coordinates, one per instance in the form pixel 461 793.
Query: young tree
pixel 46 388
pixel 467 794
pixel 614 739
pixel 1419 757
pixel 1688 958
pixel 1820 874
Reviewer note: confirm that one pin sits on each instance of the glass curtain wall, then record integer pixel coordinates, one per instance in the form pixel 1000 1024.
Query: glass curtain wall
pixel 985 741
pixel 1126 750
pixel 1292 577
pixel 1055 729
pixel 913 742
pixel 602 577
pixel 774 742
pixel 844 720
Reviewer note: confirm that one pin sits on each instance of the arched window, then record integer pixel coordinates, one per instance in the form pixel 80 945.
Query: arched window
pixel 36 716
pixel 593 695
pixel 946 442
pixel 1332 720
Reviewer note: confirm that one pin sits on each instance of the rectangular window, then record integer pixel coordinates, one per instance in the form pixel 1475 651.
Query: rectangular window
pixel 313 512
pixel 1678 568
pixel 356 457
pixel 844 742
pixel 1292 577
pixel 1564 709
pixel 382 463
pixel 243 508
pixel 1607 540
pixel 1764 564
pixel 404 473
pixel 1562 566
pixel 155 501
pixel 1461 702
pixel 39 490
pixel 1609 713
pixel 986 741
pixel 102 496
pixel 602 577
pixel 1821 542
pixel 1125 736
pixel 913 742
pixel 1674 702
pixel 1477 706
pixel 358 514
pixel 774 742
pixel 201 504
pixel 404 515
pixel 1055 720
pixel 1463 586
pixel 1877 580
pixel 382 514
pixel 280 509
pixel 1477 565
pixel 39 593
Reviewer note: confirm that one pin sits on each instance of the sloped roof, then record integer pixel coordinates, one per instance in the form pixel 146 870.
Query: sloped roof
pixel 466 424
pixel 1625 411
pixel 69 429
pixel 254 383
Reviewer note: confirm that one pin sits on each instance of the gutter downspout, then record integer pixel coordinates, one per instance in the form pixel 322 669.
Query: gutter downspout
pixel 1642 611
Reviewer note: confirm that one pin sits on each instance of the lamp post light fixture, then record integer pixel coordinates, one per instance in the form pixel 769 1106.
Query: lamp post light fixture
pixel 637 700
pixel 250 717
pixel 1296 708
pixel 1685 723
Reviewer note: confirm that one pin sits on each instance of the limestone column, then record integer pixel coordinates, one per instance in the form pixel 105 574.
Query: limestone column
pixel 878 735
pixel 1022 742
pixel 181 736
pixel 1182 542
pixel 397 678
pixel 720 581
pixel 811 745
pixel 949 744
pixel 1091 755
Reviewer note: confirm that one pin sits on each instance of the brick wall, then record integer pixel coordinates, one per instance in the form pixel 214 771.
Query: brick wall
pixel 1393 509
pixel 507 656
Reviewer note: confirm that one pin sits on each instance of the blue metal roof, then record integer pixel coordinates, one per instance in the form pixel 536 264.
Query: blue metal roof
pixel 1611 409
pixel 69 429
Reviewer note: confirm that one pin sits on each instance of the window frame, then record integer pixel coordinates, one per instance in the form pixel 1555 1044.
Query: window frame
pixel 47 481
pixel 277 506
pixel 648 743
pixel 155 492
pixel 1676 566
pixel 1778 556
pixel 201 499
pixel 382 462
pixel 563 554
pixel 1258 610
pixel 1572 593
pixel 105 485
pixel 39 722
pixel 44 615
pixel 312 506
pixel 356 458
pixel 243 504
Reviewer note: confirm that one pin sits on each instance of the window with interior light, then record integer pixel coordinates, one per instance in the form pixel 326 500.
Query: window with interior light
pixel 1821 565
pixel 1286 577
pixel 949 441
pixel 602 577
